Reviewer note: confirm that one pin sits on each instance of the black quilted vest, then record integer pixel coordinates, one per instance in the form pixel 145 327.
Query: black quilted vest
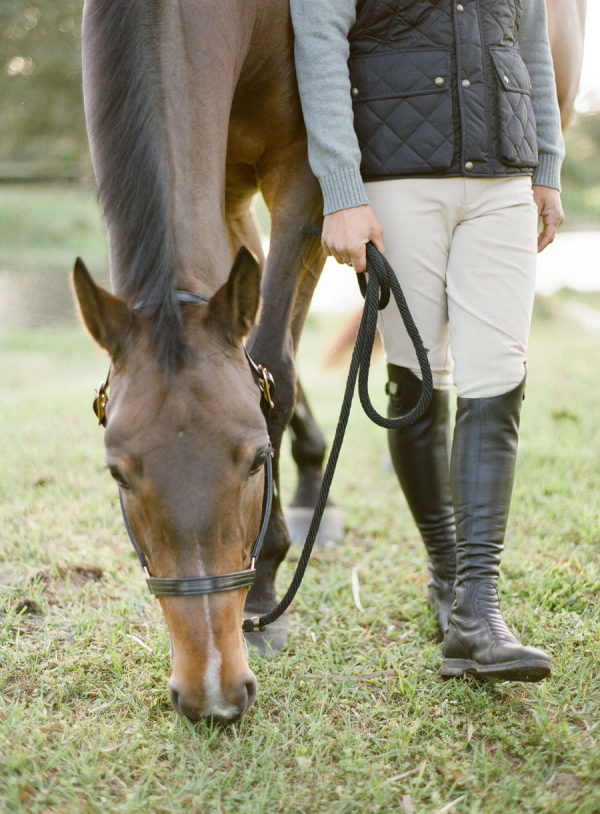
pixel 439 89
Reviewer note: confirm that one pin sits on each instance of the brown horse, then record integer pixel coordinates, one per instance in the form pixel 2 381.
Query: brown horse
pixel 191 107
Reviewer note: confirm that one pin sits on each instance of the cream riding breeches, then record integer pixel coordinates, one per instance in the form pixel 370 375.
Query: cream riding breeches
pixel 464 250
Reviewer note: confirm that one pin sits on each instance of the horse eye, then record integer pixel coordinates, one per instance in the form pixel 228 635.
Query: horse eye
pixel 120 478
pixel 258 462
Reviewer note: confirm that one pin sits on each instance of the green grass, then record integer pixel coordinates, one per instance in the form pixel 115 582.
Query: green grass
pixel 44 226
pixel 352 716
pixel 42 229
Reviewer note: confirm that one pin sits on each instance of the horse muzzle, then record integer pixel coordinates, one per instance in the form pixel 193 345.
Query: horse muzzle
pixel 219 705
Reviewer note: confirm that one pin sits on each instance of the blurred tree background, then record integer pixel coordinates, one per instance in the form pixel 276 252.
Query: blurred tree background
pixel 42 136
pixel 43 132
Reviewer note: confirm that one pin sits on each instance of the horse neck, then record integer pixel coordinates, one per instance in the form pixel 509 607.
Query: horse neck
pixel 158 147
pixel 199 58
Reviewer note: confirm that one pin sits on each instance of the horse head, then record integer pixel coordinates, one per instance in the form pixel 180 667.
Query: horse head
pixel 187 449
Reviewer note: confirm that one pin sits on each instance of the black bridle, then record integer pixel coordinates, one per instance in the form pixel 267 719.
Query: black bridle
pixel 216 583
pixel 376 287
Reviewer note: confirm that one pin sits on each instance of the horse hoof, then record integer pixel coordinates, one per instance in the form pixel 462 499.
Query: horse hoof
pixel 331 530
pixel 268 642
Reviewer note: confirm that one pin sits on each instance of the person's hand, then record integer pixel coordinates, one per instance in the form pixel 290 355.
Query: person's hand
pixel 346 233
pixel 550 211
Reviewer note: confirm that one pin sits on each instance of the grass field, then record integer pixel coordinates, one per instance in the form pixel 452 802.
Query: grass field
pixel 353 716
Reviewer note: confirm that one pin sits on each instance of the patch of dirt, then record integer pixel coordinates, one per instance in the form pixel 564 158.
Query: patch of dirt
pixel 28 606
pixel 44 480
pixel 34 596
pixel 53 583
pixel 42 577
pixel 565 781
pixel 87 573
pixel 78 575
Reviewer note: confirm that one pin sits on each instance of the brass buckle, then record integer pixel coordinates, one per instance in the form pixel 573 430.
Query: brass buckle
pixel 265 382
pixel 100 402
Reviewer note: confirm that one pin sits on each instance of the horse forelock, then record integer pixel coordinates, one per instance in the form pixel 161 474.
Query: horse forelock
pixel 126 128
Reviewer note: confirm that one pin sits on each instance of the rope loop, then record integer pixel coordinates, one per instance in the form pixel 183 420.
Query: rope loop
pixel 381 278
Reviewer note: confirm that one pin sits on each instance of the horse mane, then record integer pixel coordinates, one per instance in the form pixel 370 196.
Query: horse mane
pixel 131 164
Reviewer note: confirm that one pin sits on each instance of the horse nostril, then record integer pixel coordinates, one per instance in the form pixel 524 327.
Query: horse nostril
pixel 174 696
pixel 250 688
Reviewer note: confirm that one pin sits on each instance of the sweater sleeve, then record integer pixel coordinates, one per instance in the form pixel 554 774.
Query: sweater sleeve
pixel 535 50
pixel 321 30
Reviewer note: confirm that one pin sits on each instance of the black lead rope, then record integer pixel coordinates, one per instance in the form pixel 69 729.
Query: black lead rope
pixel 376 291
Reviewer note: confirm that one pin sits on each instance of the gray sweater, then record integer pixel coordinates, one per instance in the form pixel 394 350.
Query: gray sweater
pixel 322 49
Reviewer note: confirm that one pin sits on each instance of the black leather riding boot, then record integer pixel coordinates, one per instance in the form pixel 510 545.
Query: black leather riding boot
pixel 421 461
pixel 484 451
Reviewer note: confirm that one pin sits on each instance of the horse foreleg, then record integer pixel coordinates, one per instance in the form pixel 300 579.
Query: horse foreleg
pixel 292 270
pixel 308 450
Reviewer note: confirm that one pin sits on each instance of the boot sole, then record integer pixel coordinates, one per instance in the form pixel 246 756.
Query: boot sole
pixel 519 670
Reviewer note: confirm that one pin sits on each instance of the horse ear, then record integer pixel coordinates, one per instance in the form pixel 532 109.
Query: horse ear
pixel 106 317
pixel 234 306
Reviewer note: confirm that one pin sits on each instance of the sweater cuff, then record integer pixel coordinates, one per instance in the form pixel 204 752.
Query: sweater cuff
pixel 342 190
pixel 547 172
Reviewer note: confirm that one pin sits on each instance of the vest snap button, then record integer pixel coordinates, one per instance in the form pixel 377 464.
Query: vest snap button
pixel 465 83
pixel 354 91
pixel 460 8
pixel 506 79
pixel 438 81
pixel 469 166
